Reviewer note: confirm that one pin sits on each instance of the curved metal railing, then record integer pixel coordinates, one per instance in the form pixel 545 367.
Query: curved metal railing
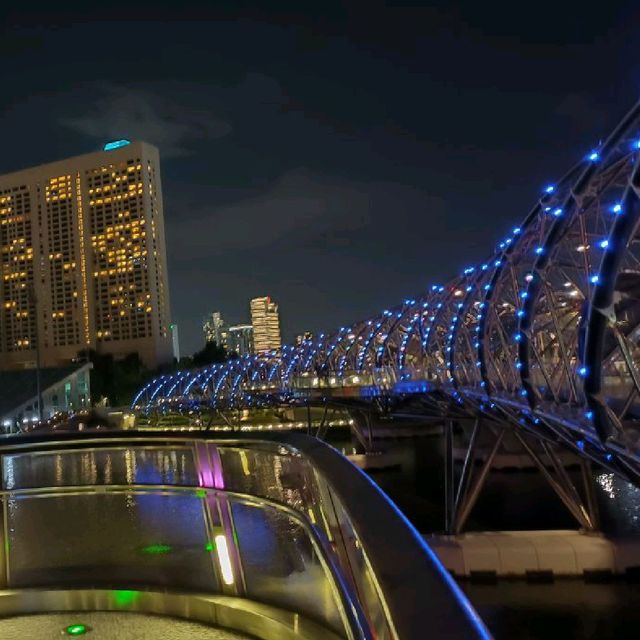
pixel 283 520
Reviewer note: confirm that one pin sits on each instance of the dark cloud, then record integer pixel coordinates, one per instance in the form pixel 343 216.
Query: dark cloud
pixel 115 111
pixel 298 206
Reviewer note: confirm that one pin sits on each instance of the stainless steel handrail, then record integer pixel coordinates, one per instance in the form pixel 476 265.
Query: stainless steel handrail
pixel 420 596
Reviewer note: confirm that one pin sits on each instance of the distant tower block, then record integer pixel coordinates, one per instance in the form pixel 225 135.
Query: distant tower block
pixel 266 325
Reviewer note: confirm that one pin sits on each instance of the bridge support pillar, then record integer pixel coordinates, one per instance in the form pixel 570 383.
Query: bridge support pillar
pixel 460 500
pixel 469 499
pixel 561 484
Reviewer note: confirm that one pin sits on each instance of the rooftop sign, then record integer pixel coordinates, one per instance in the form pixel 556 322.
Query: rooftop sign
pixel 116 144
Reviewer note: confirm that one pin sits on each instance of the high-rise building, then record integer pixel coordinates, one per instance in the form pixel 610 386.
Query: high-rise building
pixel 82 262
pixel 266 325
pixel 240 339
pixel 215 329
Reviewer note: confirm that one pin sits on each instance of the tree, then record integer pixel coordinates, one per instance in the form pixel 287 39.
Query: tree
pixel 210 354
pixel 117 380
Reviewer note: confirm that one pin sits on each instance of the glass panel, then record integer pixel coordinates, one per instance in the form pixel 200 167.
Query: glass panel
pixel 281 566
pixel 143 465
pixel 109 540
pixel 277 475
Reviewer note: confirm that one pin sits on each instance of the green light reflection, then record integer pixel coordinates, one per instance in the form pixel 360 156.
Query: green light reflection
pixel 157 549
pixel 124 597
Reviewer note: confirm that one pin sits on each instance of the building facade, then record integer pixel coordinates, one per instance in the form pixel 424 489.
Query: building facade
pixel 240 339
pixel 83 260
pixel 215 329
pixel 266 325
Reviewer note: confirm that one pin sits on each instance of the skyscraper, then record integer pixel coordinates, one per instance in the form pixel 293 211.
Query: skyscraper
pixel 215 329
pixel 266 325
pixel 240 339
pixel 83 262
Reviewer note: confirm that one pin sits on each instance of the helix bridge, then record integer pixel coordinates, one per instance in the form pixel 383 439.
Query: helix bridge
pixel 540 337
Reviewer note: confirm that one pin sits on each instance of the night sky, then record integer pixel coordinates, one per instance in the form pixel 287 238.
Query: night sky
pixel 336 156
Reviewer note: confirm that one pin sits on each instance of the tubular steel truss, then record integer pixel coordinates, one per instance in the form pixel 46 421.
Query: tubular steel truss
pixel 542 336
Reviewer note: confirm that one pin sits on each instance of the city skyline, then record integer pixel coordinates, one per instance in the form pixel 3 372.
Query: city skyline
pixel 387 158
pixel 234 338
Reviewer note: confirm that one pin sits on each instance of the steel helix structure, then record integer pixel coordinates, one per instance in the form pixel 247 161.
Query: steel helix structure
pixel 543 334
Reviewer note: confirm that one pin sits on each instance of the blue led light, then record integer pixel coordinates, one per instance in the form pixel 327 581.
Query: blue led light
pixel 116 144
pixel 582 371
pixel 497 263
pixel 580 444
pixel 549 188
pixel 617 208
pixel 524 295
pixel 594 156
pixel 539 250
pixel 608 457
pixel 485 267
pixel 518 337
pixel 589 415
pixel 523 393
pixel 520 313
pixel 487 287
pixel 557 212
pixel 603 244
pixel 516 231
pixel 518 365
pixel 594 279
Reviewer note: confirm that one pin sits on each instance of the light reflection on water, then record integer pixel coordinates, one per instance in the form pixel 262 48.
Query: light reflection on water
pixel 621 502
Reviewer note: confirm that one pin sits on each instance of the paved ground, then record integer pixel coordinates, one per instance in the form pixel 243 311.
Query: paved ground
pixel 109 626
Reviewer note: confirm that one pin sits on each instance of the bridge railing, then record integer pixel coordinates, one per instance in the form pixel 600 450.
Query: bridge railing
pixel 281 525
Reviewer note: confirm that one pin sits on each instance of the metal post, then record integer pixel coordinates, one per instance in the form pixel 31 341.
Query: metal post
pixel 308 419
pixel 467 467
pixel 569 487
pixel 448 475
pixel 592 502
pixel 469 502
pixel 369 430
